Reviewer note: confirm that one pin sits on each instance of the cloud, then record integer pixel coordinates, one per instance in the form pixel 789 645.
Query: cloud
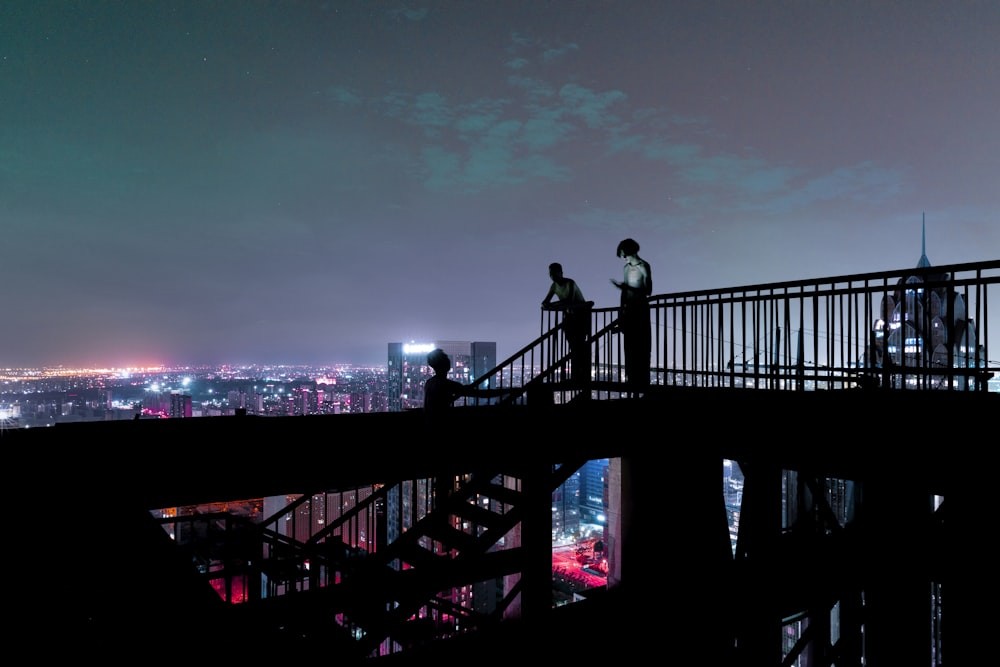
pixel 408 14
pixel 550 55
pixel 342 95
pixel 536 89
pixel 865 183
pixel 431 111
pixel 538 131
pixel 544 130
pixel 593 107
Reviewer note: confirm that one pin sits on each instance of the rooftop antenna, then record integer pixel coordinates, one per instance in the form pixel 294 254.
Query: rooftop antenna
pixel 923 262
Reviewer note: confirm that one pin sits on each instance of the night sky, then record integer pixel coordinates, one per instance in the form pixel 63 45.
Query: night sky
pixel 196 182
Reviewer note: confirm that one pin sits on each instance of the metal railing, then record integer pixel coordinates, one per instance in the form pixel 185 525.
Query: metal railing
pixel 923 328
pixel 385 579
pixel 920 328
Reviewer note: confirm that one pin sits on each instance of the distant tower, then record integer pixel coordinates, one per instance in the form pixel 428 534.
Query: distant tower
pixel 921 330
pixel 180 405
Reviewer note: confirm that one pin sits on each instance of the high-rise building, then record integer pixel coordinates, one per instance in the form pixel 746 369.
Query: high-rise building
pixel 408 369
pixel 237 398
pixel 592 485
pixel 180 405
pixel 924 334
pixel 361 401
pixel 304 400
pixel 566 508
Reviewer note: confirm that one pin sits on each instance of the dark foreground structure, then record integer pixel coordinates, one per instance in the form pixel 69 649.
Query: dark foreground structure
pixel 854 407
pixel 98 578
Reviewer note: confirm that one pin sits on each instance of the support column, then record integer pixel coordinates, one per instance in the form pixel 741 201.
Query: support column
pixel 536 540
pixel 533 536
pixel 757 567
pixel 897 582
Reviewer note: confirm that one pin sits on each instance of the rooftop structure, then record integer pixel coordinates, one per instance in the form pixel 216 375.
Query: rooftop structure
pixel 841 554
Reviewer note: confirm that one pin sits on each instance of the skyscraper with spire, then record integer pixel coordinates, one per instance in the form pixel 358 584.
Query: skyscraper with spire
pixel 923 334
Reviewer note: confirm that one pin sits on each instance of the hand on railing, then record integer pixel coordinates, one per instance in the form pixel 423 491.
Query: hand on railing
pixel 568 306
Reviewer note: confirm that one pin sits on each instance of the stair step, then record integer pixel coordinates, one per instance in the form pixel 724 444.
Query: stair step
pixel 500 493
pixel 417 556
pixel 453 538
pixel 478 515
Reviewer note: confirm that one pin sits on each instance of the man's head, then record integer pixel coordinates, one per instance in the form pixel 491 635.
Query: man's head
pixel 628 247
pixel 555 270
pixel 439 361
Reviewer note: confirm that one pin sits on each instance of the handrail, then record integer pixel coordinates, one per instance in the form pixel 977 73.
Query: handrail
pixel 517 371
pixel 546 361
pixel 917 328
pixel 930 325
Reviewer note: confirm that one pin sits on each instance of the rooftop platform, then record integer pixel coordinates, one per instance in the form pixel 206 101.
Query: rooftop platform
pixel 94 576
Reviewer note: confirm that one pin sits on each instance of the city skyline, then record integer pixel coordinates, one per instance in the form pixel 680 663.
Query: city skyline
pixel 193 183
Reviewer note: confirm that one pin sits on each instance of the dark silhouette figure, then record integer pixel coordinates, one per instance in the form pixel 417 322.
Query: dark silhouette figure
pixel 440 391
pixel 576 320
pixel 636 288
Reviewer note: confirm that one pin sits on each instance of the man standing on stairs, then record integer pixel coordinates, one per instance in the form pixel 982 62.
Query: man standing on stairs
pixel 576 321
pixel 636 288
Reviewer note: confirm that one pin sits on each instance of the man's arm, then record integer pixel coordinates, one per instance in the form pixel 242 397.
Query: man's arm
pixel 457 389
pixel 472 390
pixel 547 301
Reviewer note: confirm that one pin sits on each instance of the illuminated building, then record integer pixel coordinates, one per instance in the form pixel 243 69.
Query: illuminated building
pixel 408 369
pixel 921 330
pixel 566 507
pixel 180 405
pixel 593 481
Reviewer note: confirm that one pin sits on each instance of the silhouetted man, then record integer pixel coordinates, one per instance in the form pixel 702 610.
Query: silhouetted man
pixel 576 320
pixel 636 289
